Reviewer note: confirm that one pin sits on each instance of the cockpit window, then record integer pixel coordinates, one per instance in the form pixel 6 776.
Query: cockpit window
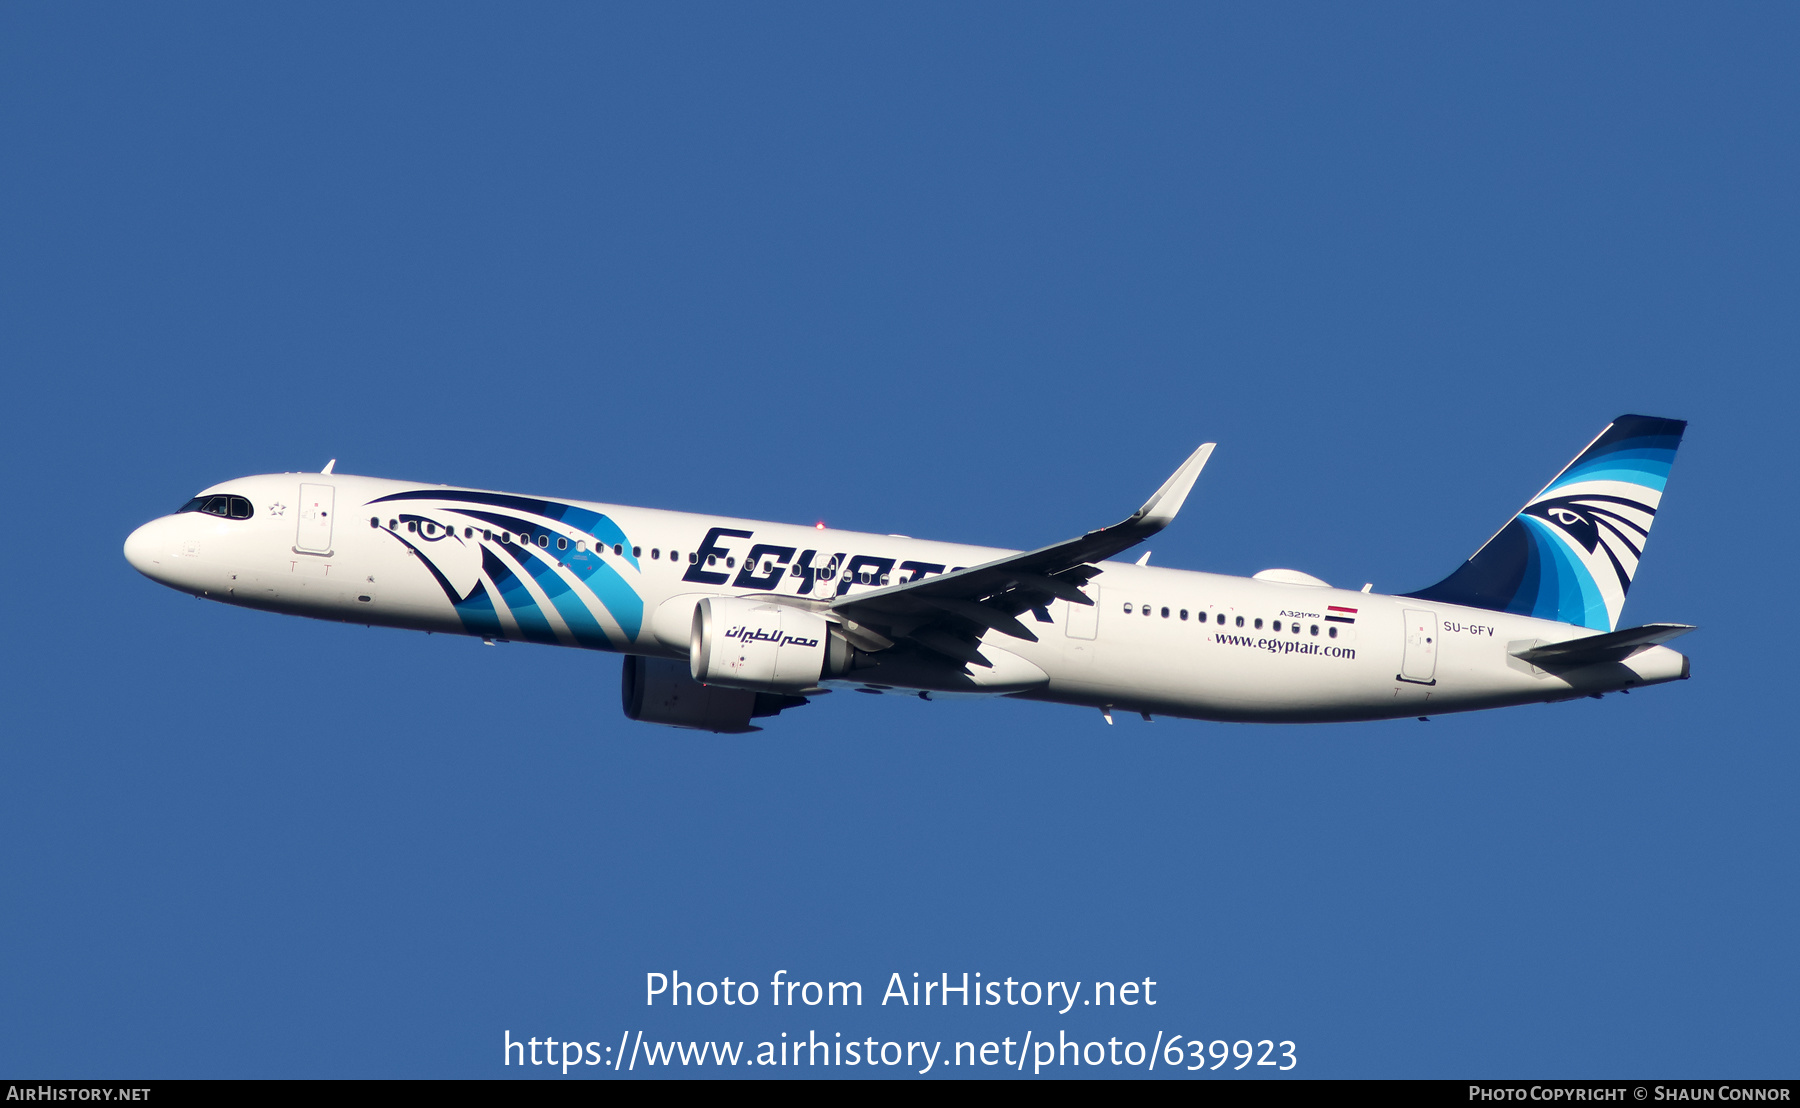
pixel 219 504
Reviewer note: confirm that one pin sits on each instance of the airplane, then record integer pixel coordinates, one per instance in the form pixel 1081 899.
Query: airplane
pixel 726 621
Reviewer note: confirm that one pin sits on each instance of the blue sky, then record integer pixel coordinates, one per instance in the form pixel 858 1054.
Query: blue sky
pixel 978 273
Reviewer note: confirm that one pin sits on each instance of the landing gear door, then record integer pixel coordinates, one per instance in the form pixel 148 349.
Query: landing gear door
pixel 316 509
pixel 1419 662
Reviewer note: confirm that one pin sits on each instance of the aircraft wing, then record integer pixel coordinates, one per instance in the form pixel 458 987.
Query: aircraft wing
pixel 1615 646
pixel 947 612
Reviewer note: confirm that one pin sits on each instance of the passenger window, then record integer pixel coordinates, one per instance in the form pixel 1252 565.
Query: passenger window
pixel 1315 628
pixel 505 537
pixel 1165 613
pixel 1221 619
pixel 1128 607
pixel 562 543
pixel 1145 608
pixel 393 525
pixel 1184 613
pixel 412 526
pixel 544 541
pixel 468 532
pixel 1332 631
pixel 1259 623
pixel 655 554
pixel 375 522
pixel 581 546
pixel 637 552
pixel 487 534
pixel 1240 620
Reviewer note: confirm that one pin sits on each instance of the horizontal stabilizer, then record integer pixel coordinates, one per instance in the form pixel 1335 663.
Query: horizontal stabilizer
pixel 1615 646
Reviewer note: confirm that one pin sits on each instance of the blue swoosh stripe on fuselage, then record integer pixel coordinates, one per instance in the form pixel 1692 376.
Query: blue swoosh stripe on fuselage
pixel 477 613
pixel 534 626
pixel 609 589
pixel 574 611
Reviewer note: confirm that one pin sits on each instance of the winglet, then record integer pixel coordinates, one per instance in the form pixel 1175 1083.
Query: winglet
pixel 1013 583
pixel 328 466
pixel 1159 511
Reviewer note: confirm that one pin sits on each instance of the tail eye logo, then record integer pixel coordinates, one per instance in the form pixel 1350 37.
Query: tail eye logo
pixel 1610 523
pixel 1578 525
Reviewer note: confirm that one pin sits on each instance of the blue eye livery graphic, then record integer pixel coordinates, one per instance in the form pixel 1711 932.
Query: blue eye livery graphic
pixel 1571 553
pixel 553 560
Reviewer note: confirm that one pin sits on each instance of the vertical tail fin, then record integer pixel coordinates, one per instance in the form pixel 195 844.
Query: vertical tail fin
pixel 1569 555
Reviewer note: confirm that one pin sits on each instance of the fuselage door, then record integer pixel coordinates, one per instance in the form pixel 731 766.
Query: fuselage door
pixel 1083 620
pixel 316 508
pixel 1419 663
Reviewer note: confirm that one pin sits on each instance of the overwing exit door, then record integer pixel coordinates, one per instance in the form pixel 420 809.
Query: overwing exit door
pixel 316 506
pixel 1419 662
pixel 1082 621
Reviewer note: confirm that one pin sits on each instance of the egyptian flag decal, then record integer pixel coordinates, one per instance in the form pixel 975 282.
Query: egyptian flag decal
pixel 1340 615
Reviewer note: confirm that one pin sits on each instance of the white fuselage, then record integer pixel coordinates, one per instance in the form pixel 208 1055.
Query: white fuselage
pixel 1160 641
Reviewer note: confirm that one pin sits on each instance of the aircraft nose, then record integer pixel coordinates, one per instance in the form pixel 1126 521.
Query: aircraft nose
pixel 147 549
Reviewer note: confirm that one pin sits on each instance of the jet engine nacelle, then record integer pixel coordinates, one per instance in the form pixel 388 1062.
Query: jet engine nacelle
pixel 660 690
pixel 747 643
